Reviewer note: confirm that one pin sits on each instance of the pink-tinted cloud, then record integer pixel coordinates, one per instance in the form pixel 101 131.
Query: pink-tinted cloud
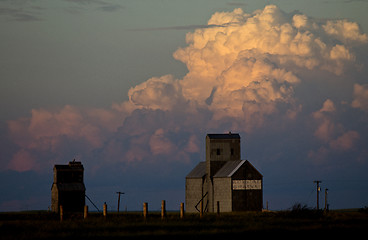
pixel 160 144
pixel 327 126
pixel 47 131
pixel 45 124
pixel 360 97
pixel 345 142
pixel 23 161
pixel 332 134
pixel 192 145
pixel 244 74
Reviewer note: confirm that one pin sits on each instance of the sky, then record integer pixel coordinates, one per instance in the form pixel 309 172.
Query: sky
pixel 131 88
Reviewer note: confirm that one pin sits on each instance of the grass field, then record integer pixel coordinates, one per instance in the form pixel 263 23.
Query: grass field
pixel 45 225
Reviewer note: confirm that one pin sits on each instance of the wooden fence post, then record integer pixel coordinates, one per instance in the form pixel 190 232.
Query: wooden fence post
pixel 163 210
pixel 182 210
pixel 85 215
pixel 145 210
pixel 61 210
pixel 105 210
pixel 201 210
pixel 218 207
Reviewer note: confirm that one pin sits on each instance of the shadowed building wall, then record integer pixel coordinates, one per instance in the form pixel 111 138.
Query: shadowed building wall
pixel 220 148
pixel 68 188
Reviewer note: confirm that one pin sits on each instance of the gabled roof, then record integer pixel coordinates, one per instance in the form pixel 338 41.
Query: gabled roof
pixel 231 167
pixel 199 171
pixel 224 136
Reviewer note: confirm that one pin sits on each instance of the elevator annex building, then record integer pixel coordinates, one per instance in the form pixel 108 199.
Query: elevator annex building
pixel 223 181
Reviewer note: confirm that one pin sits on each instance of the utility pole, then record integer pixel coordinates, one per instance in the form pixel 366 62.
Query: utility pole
pixel 119 199
pixel 318 189
pixel 326 204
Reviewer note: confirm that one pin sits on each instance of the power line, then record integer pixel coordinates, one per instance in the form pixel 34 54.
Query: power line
pixel 92 202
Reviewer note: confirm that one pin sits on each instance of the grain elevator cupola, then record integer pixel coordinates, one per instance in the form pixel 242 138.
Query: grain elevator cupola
pixel 224 180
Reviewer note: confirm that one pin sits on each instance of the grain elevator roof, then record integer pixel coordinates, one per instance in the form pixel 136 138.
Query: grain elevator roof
pixel 199 171
pixel 224 136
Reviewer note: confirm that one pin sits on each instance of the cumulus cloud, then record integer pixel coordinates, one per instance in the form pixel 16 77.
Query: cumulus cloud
pixel 47 131
pixel 345 142
pixel 157 93
pixel 327 126
pixel 44 126
pixel 300 21
pixel 251 89
pixel 244 74
pixel 360 97
pixel 333 135
pixel 345 31
pixel 22 161
pixel 277 38
pixel 160 144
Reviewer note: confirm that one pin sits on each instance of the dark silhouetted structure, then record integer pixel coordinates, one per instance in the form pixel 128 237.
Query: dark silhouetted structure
pixel 68 188
pixel 224 181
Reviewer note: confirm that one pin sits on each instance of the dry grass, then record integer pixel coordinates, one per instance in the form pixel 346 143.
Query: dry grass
pixel 45 225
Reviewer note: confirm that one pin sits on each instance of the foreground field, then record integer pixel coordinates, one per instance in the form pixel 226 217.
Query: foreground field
pixel 44 225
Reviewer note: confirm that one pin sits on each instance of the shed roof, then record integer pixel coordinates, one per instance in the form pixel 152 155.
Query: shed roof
pixel 229 168
pixel 229 135
pixel 198 171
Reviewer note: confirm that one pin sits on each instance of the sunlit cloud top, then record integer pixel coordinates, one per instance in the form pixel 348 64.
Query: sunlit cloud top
pixel 244 73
